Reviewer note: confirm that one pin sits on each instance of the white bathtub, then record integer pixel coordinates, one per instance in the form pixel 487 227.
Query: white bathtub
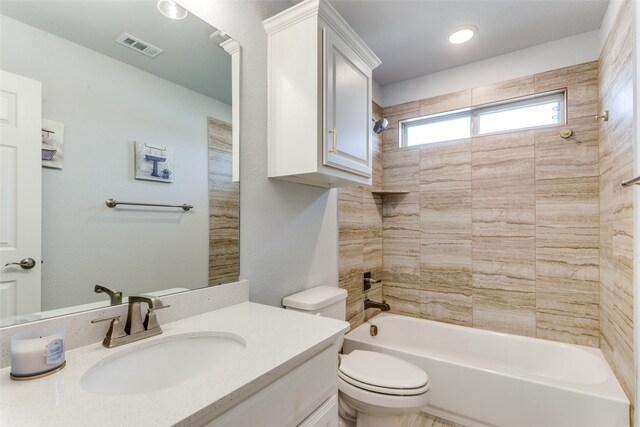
pixel 484 378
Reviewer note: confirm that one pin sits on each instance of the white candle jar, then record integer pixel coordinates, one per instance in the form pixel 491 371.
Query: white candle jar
pixel 37 354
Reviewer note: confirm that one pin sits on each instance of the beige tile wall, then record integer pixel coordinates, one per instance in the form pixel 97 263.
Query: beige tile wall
pixel 360 237
pixel 224 207
pixel 501 231
pixel 616 202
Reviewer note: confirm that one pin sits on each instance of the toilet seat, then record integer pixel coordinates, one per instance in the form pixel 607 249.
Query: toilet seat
pixel 378 403
pixel 382 373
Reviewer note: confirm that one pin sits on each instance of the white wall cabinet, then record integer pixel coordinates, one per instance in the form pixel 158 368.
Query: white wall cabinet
pixel 320 127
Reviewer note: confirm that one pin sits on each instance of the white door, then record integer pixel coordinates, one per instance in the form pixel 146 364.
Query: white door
pixel 347 133
pixel 20 193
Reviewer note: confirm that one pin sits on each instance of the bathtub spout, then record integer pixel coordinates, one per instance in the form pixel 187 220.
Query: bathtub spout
pixel 372 304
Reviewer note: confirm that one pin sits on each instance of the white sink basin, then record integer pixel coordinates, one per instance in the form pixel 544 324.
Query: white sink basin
pixel 162 363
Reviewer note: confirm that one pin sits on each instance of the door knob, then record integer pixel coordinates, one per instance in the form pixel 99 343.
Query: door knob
pixel 26 264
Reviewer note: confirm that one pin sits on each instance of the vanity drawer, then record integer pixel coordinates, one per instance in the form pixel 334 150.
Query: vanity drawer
pixel 289 400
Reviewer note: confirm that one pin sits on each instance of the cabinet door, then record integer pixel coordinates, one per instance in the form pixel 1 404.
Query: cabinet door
pixel 325 416
pixel 347 107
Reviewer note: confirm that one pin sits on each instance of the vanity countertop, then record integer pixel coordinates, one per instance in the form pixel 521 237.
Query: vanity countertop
pixel 277 340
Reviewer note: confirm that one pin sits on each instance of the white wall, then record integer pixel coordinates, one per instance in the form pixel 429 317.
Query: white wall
pixel 376 92
pixel 289 232
pixel 536 59
pixel 104 104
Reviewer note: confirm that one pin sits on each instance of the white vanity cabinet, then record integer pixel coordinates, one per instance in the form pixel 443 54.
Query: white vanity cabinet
pixel 307 396
pixel 320 126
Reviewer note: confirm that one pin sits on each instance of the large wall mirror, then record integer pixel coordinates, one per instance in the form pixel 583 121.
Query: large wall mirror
pixel 136 107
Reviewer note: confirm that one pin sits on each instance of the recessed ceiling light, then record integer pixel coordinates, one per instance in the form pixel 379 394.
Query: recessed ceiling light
pixel 462 34
pixel 171 9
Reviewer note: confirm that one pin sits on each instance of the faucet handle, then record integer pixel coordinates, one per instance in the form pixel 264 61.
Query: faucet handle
pixel 150 320
pixel 116 330
pixel 104 319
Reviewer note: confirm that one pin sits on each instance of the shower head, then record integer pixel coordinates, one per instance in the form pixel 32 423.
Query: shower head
pixel 380 125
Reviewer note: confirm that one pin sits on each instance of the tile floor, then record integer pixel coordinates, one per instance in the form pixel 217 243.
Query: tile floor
pixel 426 420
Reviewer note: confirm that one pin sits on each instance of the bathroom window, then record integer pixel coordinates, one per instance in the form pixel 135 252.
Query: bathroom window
pixel 443 127
pixel 546 109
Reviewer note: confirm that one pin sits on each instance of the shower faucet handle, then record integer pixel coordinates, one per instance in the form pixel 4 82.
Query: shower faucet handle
pixel 367 281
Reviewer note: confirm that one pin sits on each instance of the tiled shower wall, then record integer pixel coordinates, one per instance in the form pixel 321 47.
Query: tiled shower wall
pixel 500 231
pixel 616 202
pixel 360 236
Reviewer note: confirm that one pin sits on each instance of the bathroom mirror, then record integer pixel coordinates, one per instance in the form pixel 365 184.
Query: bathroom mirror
pixel 136 107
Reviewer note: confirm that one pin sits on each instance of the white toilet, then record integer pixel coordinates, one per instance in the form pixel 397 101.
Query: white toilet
pixel 375 388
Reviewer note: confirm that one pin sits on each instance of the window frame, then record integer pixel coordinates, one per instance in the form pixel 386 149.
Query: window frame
pixel 434 118
pixel 474 114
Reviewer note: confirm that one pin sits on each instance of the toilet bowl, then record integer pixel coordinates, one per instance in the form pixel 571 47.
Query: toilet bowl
pixel 375 389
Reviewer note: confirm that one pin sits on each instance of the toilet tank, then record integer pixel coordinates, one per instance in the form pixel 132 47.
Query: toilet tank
pixel 327 301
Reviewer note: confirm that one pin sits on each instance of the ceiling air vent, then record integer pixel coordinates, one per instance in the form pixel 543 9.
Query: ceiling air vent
pixel 138 45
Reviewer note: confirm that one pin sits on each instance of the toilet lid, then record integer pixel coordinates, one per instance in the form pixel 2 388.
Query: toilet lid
pixel 382 373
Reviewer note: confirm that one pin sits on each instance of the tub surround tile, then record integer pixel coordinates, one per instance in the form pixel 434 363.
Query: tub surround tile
pixel 502 218
pixel 616 149
pixel 403 300
pixel 406 109
pixel 448 102
pixel 507 311
pixel 446 280
pixel 394 114
pixel 503 160
pixel 446 262
pixel 581 83
pixel 446 215
pixel 581 74
pixel 402 266
pixel 445 166
pixel 503 90
pixel 401 216
pixel 573 158
pixel 568 316
pixel 360 236
pixel 567 269
pixel 402 168
pixel 350 205
pixel 401 239
pixel 582 101
pixel 450 307
pixel 503 230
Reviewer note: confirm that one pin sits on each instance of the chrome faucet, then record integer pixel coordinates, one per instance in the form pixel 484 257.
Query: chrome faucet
pixel 379 305
pixel 135 328
pixel 115 297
